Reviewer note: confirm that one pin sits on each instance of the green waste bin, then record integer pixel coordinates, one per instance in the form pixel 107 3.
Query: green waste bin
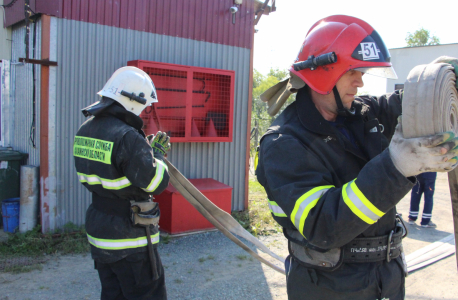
pixel 9 173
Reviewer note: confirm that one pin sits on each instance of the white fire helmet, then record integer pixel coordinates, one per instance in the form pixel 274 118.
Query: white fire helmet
pixel 132 88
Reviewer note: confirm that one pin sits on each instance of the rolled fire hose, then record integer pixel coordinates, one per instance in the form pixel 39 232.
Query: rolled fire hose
pixel 430 106
pixel 219 218
pixel 430 102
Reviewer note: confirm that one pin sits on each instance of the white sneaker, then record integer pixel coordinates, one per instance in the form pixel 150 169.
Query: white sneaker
pixel 429 225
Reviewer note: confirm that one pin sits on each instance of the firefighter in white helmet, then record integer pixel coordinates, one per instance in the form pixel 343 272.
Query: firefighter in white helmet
pixel 123 168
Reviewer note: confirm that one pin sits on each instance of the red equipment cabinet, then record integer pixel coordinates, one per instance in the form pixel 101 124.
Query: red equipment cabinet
pixel 178 215
pixel 195 104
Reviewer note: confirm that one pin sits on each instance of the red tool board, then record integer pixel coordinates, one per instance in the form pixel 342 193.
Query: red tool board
pixel 195 104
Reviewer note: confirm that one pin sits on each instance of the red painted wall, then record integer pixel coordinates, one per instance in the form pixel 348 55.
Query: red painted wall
pixel 201 20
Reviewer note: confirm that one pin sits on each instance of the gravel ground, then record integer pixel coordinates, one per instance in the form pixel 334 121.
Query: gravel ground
pixel 210 266
pixel 203 266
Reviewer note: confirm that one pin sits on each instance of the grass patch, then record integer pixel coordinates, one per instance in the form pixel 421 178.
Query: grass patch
pixel 241 257
pixel 165 239
pixel 71 239
pixel 209 257
pixel 22 269
pixel 178 280
pixel 33 246
pixel 257 219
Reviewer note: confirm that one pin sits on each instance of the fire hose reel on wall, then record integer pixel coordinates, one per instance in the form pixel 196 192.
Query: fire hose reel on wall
pixel 195 104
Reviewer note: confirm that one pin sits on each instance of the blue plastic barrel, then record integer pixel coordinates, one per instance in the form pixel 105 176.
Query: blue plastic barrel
pixel 10 213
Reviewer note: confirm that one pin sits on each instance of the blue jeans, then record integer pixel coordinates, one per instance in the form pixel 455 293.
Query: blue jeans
pixel 425 185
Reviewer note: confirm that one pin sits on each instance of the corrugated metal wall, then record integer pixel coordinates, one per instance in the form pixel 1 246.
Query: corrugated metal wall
pixel 201 20
pixel 88 54
pixel 21 97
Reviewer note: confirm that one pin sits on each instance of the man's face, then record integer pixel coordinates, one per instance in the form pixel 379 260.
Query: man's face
pixel 348 86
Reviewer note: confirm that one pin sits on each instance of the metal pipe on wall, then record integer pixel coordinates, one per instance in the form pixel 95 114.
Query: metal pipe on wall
pixel 29 191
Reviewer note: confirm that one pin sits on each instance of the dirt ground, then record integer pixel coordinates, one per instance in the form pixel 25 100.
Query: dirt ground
pixel 209 266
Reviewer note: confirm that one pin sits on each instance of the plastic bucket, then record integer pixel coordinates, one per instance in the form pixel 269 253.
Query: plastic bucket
pixel 10 213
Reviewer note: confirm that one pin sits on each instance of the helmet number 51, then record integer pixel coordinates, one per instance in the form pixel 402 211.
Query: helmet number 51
pixel 370 51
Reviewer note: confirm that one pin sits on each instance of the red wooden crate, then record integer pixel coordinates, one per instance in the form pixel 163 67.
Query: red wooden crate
pixel 195 104
pixel 178 216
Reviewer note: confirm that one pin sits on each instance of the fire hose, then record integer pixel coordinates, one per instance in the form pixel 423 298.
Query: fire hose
pixel 430 106
pixel 219 218
pixel 430 103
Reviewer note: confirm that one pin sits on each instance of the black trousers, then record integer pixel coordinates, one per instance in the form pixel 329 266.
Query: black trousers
pixel 131 278
pixel 363 281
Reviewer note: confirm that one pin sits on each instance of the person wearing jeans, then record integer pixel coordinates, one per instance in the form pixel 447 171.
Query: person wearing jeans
pixel 425 185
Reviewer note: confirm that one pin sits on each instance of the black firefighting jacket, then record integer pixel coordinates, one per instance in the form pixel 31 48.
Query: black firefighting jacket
pixel 115 162
pixel 321 184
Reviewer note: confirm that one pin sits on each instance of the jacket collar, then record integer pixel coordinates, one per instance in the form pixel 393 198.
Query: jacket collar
pixel 311 118
pixel 119 112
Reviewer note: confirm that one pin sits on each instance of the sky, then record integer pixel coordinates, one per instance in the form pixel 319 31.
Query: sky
pixel 281 33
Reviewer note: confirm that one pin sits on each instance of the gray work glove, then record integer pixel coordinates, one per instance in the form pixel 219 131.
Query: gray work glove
pixel 449 60
pixel 160 144
pixel 435 153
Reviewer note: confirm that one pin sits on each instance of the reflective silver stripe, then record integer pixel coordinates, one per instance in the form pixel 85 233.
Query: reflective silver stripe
pixel 122 243
pixel 157 179
pixel 359 204
pixel 275 209
pixel 305 203
pixel 109 184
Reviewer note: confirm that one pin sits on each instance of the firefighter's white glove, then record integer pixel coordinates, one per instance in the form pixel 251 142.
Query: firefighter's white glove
pixel 435 153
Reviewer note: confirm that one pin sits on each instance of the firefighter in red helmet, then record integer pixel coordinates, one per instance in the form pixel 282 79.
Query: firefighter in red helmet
pixel 336 199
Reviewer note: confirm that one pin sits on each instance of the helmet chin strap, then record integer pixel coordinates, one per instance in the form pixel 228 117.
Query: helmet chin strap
pixel 341 110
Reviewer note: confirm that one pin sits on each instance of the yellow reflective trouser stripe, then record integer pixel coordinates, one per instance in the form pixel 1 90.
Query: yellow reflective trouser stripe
pixel 109 184
pixel 359 204
pixel 256 159
pixel 304 204
pixel 276 210
pixel 157 179
pixel 122 244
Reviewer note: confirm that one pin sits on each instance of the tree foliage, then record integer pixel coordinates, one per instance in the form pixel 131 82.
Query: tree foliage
pixel 421 37
pixel 260 119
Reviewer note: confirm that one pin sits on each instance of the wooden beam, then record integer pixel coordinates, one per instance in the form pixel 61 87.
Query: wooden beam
pixel 44 127
pixel 453 184
pixel 43 62
pixel 260 12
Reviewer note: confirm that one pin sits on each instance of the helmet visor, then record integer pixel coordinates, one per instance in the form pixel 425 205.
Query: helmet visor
pixel 385 72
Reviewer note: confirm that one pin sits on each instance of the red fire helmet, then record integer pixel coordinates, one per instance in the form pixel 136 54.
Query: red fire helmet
pixel 355 43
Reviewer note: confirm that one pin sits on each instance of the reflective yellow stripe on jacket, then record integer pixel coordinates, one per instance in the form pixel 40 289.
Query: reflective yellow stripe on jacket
pixel 109 184
pixel 359 204
pixel 276 210
pixel 157 179
pixel 123 243
pixel 120 183
pixel 304 204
